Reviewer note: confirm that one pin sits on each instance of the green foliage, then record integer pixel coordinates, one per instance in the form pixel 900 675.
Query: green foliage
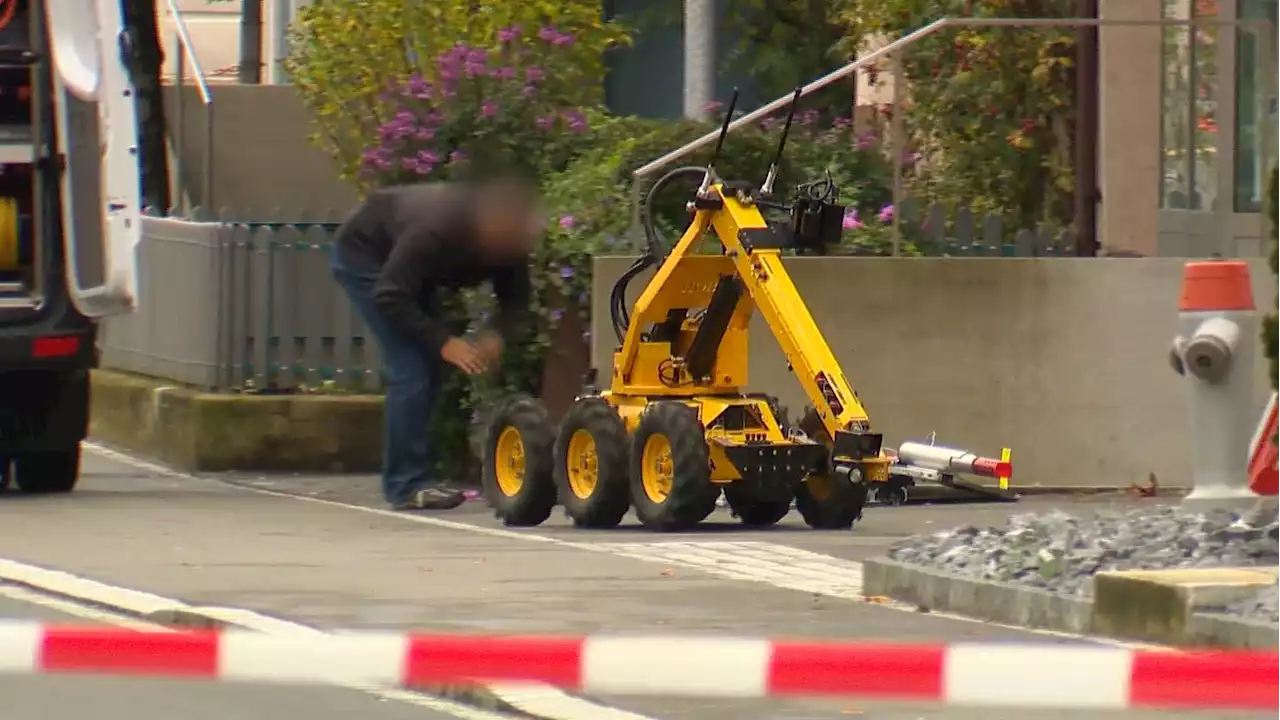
pixel 346 54
pixel 1270 332
pixel 990 111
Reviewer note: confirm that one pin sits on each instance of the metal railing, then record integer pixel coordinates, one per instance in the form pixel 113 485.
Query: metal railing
pixel 893 51
pixel 186 54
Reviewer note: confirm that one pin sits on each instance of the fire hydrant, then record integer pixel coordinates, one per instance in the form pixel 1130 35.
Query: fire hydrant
pixel 1214 351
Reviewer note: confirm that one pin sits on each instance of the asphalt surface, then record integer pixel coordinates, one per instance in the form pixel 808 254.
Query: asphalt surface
pixel 76 698
pixel 336 564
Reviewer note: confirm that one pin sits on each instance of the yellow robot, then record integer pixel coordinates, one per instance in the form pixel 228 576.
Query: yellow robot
pixel 675 428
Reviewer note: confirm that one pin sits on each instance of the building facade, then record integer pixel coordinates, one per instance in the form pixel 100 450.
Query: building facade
pixel 1188 126
pixel 1187 114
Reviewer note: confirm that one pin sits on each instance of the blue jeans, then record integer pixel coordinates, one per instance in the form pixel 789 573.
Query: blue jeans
pixel 413 384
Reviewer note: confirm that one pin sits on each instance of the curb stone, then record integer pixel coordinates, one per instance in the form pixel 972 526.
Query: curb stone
pixel 983 599
pixel 1040 609
pixel 201 431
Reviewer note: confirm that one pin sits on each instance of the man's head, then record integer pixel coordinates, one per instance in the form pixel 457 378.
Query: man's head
pixel 508 217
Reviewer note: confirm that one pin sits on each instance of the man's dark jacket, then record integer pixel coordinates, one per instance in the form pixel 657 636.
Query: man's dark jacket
pixel 420 239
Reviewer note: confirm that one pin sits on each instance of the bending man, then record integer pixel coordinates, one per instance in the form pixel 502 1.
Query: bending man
pixel 394 255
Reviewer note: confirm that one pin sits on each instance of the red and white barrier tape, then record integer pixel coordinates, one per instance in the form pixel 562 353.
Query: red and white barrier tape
pixel 1004 674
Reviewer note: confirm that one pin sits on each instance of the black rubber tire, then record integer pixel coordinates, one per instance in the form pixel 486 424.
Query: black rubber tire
pixel 838 509
pixel 752 512
pixel 532 504
pixel 47 472
pixel 891 494
pixel 693 496
pixel 610 498
pixel 841 506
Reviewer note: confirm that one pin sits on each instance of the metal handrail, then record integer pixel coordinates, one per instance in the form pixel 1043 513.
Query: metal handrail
pixel 908 39
pixel 844 72
pixel 187 54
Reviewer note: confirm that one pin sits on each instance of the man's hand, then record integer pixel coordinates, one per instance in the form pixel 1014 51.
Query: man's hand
pixel 489 345
pixel 464 356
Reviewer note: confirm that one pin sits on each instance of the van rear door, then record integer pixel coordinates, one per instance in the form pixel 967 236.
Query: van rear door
pixel 96 120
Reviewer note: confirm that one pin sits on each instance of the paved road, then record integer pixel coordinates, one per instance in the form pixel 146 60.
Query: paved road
pixel 341 564
pixel 77 698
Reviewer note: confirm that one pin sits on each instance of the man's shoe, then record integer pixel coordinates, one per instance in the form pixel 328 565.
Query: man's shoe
pixel 432 498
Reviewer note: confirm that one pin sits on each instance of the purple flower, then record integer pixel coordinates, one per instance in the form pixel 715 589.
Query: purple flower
pixel 509 34
pixel 713 107
pixel 865 141
pixel 576 120
pixel 910 157
pixel 808 117
pixel 566 273
pixel 548 33
pixel 503 73
pixel 886 214
pixel 567 222
pixel 562 40
pixel 457 156
pixel 428 157
pixel 530 90
pixel 851 221
pixel 533 74
pixel 418 87
pixel 841 123
pixel 545 122
pixel 489 109
pixel 557 316
pixel 424 133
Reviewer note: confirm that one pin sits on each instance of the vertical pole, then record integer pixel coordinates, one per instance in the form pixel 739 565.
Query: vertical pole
pixel 180 127
pixel 209 200
pixel 899 145
pixel 281 16
pixel 1086 155
pixel 699 57
pixel 251 42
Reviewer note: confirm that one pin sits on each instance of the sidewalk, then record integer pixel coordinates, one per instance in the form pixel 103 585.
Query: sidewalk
pixel 208 543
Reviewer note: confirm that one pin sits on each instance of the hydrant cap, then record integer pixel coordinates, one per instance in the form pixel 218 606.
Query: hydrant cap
pixel 1216 285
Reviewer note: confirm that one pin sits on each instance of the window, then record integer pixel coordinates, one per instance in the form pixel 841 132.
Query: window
pixel 1255 146
pixel 1189 125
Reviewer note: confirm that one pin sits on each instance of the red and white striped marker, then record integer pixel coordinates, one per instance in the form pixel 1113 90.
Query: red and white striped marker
pixel 1264 478
pixel 1008 674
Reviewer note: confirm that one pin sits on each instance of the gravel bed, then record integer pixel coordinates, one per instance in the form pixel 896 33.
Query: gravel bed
pixel 1059 552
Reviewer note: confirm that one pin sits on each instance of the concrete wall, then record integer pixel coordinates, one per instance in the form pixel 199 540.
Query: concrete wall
pixel 1063 360
pixel 263 155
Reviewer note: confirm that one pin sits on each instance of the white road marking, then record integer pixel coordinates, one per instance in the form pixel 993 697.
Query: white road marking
pixel 834 586
pixel 778 565
pixel 66 607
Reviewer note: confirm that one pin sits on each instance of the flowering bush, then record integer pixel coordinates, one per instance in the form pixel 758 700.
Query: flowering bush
pixel 343 54
pixel 486 111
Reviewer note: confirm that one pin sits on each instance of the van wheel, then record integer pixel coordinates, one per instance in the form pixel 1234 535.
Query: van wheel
pixel 47 472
